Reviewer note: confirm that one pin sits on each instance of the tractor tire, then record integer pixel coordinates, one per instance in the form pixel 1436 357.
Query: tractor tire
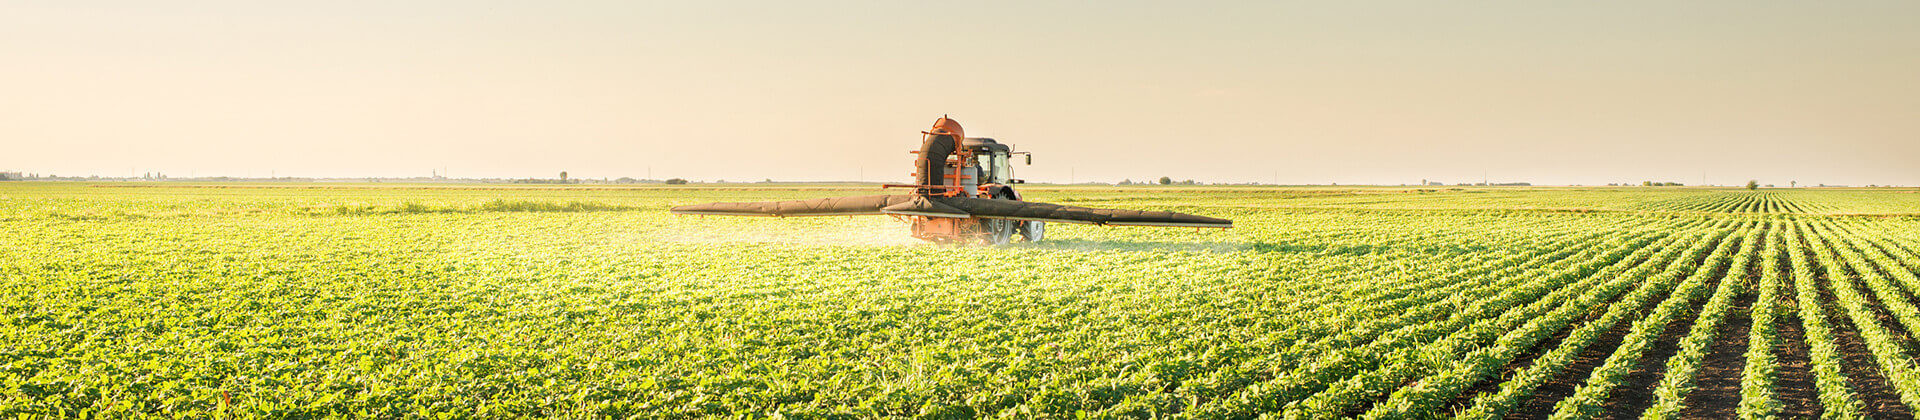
pixel 1028 230
pixel 1031 230
pixel 1001 231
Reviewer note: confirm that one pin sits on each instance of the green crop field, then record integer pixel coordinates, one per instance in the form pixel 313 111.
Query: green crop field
pixel 436 301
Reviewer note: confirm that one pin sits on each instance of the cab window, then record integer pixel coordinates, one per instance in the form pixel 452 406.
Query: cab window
pixel 1003 167
pixel 989 169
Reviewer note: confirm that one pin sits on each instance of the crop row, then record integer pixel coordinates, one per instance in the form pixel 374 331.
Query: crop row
pixel 1731 202
pixel 1660 277
pixel 1760 378
pixel 1438 356
pixel 1886 345
pixel 1586 400
pixel 1446 385
pixel 1343 362
pixel 1328 320
pixel 1340 357
pixel 1682 367
pixel 1345 395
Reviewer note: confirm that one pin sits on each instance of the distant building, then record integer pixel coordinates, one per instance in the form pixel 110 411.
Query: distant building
pixel 11 176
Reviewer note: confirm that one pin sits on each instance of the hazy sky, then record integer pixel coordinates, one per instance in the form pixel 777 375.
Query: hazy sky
pixel 1299 92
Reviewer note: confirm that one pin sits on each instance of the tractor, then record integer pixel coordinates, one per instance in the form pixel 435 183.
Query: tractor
pixel 963 193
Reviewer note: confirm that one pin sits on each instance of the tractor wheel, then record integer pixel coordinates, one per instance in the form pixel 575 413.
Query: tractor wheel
pixel 999 231
pixel 1031 230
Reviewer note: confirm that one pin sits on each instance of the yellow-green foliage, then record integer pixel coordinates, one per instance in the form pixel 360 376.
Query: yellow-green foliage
pixel 379 300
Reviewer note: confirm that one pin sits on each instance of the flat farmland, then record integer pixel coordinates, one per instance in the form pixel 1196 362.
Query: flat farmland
pixel 418 300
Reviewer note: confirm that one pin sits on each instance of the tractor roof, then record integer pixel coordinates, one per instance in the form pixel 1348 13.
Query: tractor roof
pixel 983 143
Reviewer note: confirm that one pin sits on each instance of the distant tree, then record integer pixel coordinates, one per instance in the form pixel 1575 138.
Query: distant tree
pixel 1791 184
pixel 1646 183
pixel 1166 180
pixel 563 176
pixel 676 181
pixel 1752 185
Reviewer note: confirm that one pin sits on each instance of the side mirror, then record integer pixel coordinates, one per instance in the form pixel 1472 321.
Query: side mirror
pixel 1029 159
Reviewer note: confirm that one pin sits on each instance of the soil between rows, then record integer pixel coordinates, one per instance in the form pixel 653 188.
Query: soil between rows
pixel 1717 387
pixel 1635 392
pixel 1716 392
pixel 1562 386
pixel 1541 404
pixel 1799 395
pixel 1465 399
pixel 1856 360
pixel 1794 379
pixel 1856 278
pixel 1467 395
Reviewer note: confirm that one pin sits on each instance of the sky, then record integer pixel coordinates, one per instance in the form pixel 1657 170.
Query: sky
pixel 1349 92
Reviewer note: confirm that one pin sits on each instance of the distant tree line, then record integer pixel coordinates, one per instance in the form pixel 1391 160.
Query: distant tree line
pixel 1165 180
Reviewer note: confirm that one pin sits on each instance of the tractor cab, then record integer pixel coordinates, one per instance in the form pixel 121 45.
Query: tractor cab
pixel 994 160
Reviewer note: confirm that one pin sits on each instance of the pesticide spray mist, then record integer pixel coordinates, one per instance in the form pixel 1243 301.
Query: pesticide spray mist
pixel 841 231
pixel 889 232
